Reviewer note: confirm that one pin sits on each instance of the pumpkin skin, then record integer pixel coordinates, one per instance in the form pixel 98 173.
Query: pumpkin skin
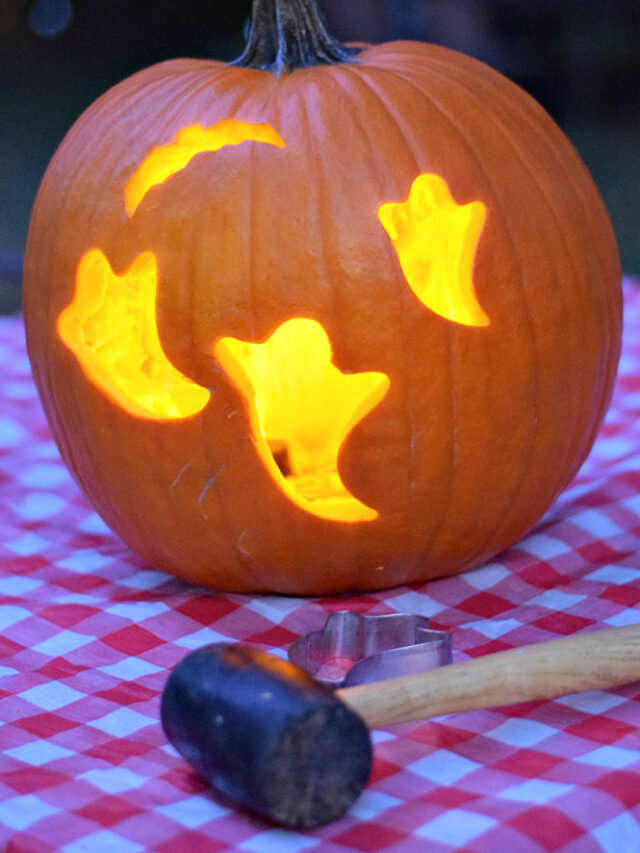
pixel 480 428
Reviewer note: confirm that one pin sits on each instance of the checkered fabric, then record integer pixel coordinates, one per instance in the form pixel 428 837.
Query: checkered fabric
pixel 88 633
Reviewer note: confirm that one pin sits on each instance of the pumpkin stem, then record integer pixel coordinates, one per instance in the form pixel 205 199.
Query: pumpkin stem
pixel 289 34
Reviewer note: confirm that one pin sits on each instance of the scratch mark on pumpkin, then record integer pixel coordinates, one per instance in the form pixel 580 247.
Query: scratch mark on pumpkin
pixel 180 473
pixel 240 546
pixel 211 481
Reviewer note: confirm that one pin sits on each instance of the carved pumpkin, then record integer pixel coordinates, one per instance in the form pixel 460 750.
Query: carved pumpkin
pixel 325 319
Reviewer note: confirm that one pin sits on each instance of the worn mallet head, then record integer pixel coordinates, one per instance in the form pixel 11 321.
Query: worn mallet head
pixel 269 737
pixel 266 735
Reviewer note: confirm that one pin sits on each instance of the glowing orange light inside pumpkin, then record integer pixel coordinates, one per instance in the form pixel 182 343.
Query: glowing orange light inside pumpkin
pixel 168 160
pixel 111 328
pixel 436 240
pixel 302 408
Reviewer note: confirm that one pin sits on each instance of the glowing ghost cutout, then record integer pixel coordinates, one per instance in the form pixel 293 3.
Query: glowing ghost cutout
pixel 435 240
pixel 111 329
pixel 164 162
pixel 302 408
pixel 110 325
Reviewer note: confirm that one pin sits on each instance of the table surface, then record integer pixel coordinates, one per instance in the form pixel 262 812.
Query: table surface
pixel 88 633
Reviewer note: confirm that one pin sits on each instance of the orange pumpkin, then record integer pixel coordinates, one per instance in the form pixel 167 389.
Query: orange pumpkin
pixel 325 319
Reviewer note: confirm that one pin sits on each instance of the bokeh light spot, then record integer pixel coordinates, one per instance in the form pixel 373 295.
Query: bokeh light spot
pixel 50 18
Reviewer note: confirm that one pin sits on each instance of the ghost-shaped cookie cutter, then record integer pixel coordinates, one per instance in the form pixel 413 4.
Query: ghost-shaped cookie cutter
pixel 354 648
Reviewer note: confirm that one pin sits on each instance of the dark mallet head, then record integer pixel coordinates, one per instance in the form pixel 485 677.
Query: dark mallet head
pixel 266 735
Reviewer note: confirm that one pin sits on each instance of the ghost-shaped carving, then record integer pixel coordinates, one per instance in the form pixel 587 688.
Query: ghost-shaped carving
pixel 301 406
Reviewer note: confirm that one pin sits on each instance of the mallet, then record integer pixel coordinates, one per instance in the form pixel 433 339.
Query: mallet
pixel 271 739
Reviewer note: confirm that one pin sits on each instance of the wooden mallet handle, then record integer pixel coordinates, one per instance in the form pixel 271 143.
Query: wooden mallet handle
pixel 586 661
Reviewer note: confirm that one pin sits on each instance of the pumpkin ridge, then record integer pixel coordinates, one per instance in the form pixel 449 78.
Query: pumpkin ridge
pixel 594 244
pixel 175 116
pixel 103 104
pixel 171 113
pixel 357 74
pixel 586 208
pixel 440 58
pixel 252 223
pixel 316 164
pixel 572 460
pixel 362 74
pixel 494 208
pixel 43 368
pixel 254 572
pixel 74 424
pixel 249 574
pixel 325 225
pixel 124 105
pixel 580 422
pixel 491 89
pixel 526 468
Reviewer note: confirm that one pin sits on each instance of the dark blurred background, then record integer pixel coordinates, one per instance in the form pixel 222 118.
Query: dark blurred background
pixel 579 58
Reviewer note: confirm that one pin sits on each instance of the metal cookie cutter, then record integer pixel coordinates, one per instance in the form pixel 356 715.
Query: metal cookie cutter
pixel 355 649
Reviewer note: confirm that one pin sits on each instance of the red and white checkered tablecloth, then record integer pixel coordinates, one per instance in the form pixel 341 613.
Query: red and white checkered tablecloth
pixel 88 633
